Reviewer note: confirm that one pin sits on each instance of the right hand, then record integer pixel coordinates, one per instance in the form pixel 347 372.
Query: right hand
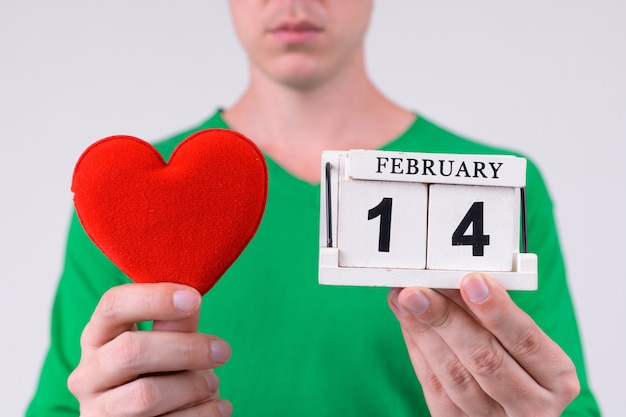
pixel 168 371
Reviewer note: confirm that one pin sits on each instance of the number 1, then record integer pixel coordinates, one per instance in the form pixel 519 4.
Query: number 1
pixel 383 209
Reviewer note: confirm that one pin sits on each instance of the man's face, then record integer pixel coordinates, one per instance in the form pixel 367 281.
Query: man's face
pixel 301 43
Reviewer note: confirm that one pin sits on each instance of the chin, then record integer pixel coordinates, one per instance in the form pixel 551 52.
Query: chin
pixel 300 81
pixel 301 74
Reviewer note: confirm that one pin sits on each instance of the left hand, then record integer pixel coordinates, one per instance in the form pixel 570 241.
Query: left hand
pixel 477 354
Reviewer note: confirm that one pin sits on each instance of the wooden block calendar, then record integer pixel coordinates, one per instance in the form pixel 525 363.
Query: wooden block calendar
pixel 401 219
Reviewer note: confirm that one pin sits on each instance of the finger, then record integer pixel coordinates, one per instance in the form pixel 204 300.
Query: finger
pixel 123 306
pixel 138 353
pixel 519 334
pixel 216 408
pixel 186 325
pixel 491 365
pixel 451 388
pixel 185 301
pixel 476 348
pixel 455 295
pixel 438 401
pixel 160 394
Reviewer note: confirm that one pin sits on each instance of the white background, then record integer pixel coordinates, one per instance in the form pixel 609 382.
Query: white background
pixel 544 77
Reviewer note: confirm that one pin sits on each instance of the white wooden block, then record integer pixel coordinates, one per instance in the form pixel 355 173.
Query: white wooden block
pixel 382 224
pixel 356 182
pixel 472 227
pixel 524 277
pixel 432 168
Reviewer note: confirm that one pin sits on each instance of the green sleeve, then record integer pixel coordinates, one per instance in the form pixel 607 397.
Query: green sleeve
pixel 87 274
pixel 551 306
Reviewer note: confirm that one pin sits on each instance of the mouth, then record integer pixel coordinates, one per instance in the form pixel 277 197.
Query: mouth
pixel 296 31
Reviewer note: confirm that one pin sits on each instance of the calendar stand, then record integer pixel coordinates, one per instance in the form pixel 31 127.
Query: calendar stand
pixel 523 277
pixel 399 219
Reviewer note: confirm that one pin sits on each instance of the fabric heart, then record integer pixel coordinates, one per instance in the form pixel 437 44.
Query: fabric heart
pixel 184 221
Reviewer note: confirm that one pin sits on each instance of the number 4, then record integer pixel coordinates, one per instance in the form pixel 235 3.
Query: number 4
pixel 477 240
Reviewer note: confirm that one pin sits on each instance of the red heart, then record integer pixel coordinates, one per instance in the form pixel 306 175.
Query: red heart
pixel 184 221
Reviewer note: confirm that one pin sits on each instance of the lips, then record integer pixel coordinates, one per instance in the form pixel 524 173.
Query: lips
pixel 296 32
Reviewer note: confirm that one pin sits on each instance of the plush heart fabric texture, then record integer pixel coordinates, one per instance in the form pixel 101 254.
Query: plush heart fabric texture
pixel 184 221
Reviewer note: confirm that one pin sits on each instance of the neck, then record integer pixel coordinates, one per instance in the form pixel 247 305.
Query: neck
pixel 293 125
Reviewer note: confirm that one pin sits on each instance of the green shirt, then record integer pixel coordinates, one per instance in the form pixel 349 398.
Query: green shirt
pixel 300 348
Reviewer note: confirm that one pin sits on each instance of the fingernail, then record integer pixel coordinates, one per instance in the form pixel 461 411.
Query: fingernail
pixel 225 407
pixel 416 302
pixel 212 381
pixel 186 300
pixel 476 288
pixel 220 351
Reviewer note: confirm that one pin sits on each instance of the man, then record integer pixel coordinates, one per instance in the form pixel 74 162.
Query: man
pixel 298 348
